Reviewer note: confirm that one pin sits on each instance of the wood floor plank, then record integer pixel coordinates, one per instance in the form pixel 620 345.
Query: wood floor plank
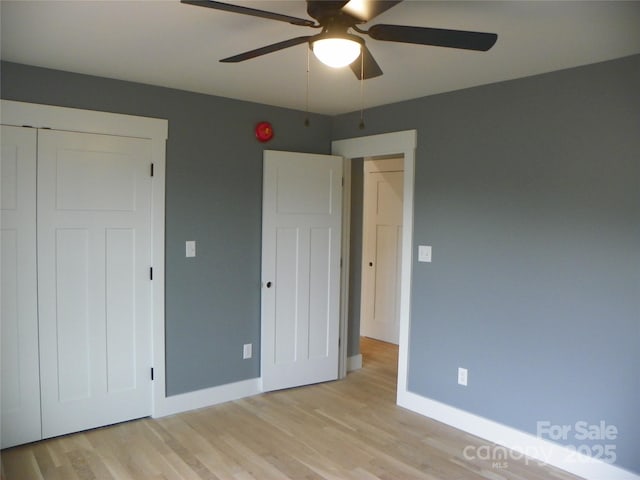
pixel 345 430
pixel 20 463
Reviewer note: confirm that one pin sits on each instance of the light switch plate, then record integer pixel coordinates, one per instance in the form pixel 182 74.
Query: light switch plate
pixel 424 253
pixel 463 375
pixel 190 248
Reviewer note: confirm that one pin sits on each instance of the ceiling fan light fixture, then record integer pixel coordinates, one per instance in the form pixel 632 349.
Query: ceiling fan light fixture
pixel 337 51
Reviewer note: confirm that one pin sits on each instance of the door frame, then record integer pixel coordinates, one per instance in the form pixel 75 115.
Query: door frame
pixel 154 129
pixel 405 143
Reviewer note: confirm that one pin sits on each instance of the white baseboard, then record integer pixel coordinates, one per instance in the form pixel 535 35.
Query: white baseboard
pixel 354 363
pixel 207 397
pixel 534 447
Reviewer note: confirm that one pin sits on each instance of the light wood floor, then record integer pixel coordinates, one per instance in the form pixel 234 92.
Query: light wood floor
pixel 349 429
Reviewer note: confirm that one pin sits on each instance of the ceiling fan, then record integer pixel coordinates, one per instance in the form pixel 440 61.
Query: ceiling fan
pixel 337 47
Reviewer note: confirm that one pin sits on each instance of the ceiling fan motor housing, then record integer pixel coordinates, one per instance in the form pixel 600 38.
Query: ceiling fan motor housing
pixel 330 11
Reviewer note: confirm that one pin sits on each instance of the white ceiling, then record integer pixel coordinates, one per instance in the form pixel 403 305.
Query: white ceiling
pixel 163 42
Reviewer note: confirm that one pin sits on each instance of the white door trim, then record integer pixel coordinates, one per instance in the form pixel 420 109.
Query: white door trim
pixel 156 130
pixel 404 143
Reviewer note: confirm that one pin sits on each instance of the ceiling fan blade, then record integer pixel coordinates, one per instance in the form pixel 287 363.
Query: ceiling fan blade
pixel 250 11
pixel 370 67
pixel 268 49
pixel 366 10
pixel 434 36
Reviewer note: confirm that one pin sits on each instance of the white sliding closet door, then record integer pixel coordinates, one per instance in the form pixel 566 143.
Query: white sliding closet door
pixel 94 255
pixel 20 370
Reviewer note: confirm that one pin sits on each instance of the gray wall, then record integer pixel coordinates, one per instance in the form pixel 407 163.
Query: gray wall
pixel 527 190
pixel 529 193
pixel 213 196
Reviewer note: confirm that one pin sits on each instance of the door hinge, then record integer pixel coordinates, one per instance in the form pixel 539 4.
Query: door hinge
pixel 340 262
pixel 150 273
pixel 339 342
pixel 151 373
pixel 152 169
pixel 343 181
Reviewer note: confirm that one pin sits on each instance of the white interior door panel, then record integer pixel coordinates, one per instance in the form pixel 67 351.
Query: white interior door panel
pixel 382 249
pixel 19 296
pixel 301 235
pixel 94 254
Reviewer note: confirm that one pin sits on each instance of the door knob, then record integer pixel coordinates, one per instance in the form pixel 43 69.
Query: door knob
pixel 371 264
pixel 268 284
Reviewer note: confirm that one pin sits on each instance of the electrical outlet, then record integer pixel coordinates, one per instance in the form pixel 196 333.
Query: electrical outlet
pixel 246 351
pixel 462 376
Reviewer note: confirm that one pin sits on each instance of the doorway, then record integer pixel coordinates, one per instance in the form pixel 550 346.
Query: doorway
pixel 396 143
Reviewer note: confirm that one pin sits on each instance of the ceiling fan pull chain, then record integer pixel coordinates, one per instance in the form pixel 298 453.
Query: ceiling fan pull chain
pixel 361 125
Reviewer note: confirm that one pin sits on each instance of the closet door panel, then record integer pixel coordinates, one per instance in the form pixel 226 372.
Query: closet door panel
pixel 94 254
pixel 19 315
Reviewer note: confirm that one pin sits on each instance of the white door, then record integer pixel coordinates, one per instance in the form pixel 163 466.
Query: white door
pixel 301 238
pixel 20 368
pixel 94 251
pixel 382 250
